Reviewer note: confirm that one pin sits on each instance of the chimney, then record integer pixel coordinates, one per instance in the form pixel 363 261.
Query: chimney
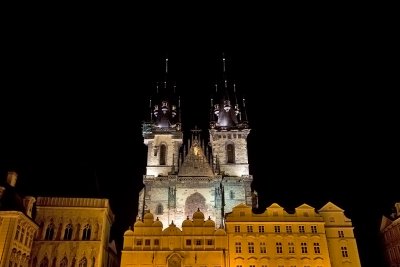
pixel 12 178
pixel 28 204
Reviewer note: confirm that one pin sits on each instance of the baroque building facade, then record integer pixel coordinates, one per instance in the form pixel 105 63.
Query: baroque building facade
pixel 196 206
pixel 390 234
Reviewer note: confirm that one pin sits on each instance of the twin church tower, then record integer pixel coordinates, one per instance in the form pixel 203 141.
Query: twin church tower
pixel 183 177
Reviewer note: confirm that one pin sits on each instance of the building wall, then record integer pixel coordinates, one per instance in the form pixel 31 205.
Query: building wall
pixel 80 245
pixel 276 238
pixel 390 232
pixel 219 141
pixel 340 235
pixel 16 237
pixel 196 243
pixel 173 142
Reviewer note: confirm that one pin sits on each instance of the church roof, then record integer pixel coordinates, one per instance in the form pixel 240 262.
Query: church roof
pixel 195 163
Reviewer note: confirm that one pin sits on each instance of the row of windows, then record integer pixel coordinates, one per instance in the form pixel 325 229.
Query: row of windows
pixel 68 232
pixel 63 262
pixel 188 242
pixel 279 248
pixel 26 239
pixel 277 229
pixel 227 136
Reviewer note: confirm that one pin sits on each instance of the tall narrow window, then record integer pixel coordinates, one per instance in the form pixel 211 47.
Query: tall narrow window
pixel 230 151
pixel 163 154
pixel 54 262
pixel 86 233
pixel 64 262
pixel 68 232
pixel 83 262
pixel 159 209
pixel 44 262
pixel 17 232
pixel 49 232
pixel 345 254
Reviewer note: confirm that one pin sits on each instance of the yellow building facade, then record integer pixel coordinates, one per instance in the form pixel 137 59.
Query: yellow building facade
pixel 390 232
pixel 73 232
pixel 17 228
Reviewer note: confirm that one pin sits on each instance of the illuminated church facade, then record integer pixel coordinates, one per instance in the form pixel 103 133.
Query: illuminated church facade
pixel 196 206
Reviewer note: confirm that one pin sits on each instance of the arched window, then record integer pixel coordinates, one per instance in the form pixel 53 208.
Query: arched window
pixel 159 209
pixel 68 232
pixel 34 262
pixel 230 153
pixel 86 233
pixel 64 262
pixel 17 232
pixel 93 261
pixel 49 232
pixel 44 262
pixel 83 262
pixel 53 264
pixel 163 155
pixel 73 262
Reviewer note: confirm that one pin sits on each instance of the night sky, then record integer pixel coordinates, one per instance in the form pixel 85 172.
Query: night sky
pixel 322 118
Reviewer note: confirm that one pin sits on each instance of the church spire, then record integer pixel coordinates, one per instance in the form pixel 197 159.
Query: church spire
pixel 165 105
pixel 226 110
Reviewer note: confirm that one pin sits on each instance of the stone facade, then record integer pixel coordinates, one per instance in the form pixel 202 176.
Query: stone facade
pixel 73 232
pixel 390 233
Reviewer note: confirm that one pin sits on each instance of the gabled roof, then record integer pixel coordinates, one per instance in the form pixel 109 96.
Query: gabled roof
pixel 330 207
pixel 385 223
pixel 305 206
pixel 195 163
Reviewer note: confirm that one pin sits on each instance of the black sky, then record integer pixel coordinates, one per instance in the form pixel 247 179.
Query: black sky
pixel 322 118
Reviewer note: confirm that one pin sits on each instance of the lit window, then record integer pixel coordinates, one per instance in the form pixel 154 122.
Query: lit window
pixel 341 233
pixel 291 247
pixel 345 254
pixel 279 247
pixel 238 247
pixel 237 228
pixel 263 248
pixel 277 229
pixel 304 247
pixel 249 228
pixel 317 249
pixel 251 247
pixel 313 229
